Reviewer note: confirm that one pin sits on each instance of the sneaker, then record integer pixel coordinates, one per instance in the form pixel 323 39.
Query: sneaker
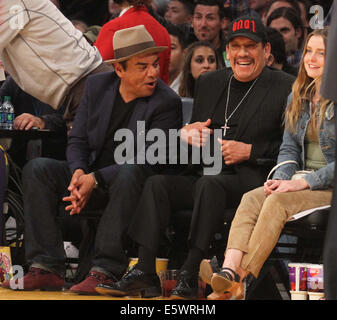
pixel 88 285
pixel 38 279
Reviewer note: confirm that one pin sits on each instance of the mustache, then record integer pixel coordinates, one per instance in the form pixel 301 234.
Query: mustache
pixel 244 60
pixel 203 29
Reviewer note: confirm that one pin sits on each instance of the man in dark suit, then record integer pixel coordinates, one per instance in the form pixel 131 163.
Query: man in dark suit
pixel 248 103
pixel 123 99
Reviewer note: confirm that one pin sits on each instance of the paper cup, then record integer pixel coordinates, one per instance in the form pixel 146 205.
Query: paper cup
pixel 299 295
pixel 316 295
pixel 297 276
pixel 161 265
pixel 315 282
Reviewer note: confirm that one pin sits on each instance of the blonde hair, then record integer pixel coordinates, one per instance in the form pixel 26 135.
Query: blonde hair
pixel 304 89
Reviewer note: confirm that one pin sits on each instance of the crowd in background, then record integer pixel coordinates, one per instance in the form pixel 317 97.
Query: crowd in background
pixel 196 36
pixel 197 39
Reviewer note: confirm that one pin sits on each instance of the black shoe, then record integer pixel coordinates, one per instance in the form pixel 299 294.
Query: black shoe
pixel 187 286
pixel 133 283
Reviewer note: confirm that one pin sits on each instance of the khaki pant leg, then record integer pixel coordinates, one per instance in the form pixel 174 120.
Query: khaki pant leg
pixel 276 210
pixel 245 219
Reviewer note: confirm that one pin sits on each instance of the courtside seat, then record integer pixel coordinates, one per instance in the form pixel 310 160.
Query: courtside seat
pixel 312 225
pixel 187 109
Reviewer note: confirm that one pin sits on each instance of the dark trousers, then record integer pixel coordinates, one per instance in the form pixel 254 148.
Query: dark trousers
pixel 45 182
pixel 330 244
pixel 208 196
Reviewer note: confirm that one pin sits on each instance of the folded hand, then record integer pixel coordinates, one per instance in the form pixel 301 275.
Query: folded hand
pixel 274 186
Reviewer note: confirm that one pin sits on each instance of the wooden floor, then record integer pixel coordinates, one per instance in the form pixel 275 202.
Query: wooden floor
pixel 6 294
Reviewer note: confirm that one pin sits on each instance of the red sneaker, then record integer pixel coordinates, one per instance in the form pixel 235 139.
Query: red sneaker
pixel 38 279
pixel 88 285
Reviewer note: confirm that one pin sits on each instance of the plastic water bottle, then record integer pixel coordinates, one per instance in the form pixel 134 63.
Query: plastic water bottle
pixel 2 115
pixel 9 113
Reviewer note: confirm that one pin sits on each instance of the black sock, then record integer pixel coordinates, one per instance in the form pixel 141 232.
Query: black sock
pixel 146 260
pixel 193 260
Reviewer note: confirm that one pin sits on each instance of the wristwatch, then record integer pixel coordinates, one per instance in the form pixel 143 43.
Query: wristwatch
pixel 96 183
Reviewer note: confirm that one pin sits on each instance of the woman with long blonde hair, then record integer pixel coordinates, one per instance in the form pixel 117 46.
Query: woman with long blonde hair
pixel 307 87
pixel 308 144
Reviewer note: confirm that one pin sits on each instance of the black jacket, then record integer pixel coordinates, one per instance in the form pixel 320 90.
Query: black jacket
pixel 260 126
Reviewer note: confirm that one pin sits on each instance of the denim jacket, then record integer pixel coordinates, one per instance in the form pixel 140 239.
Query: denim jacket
pixel 292 148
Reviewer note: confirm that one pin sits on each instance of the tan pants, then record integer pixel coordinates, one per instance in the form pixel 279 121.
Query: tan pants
pixel 259 220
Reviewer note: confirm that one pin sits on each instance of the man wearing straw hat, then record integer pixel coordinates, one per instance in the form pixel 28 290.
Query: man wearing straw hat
pixel 111 101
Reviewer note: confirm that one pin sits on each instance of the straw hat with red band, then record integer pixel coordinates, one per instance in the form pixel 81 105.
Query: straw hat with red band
pixel 131 42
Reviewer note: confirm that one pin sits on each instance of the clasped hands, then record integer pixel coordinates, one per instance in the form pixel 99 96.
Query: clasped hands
pixel 274 186
pixel 197 134
pixel 80 187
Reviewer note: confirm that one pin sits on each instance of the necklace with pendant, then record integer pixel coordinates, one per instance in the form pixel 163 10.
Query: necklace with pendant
pixel 225 127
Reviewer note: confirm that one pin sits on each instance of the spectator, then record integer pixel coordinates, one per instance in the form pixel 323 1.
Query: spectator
pixel 290 26
pixel 301 7
pixel 278 57
pixel 200 58
pixel 40 114
pixel 114 9
pixel 275 4
pixel 261 95
pixel 30 112
pixel 179 11
pixel 178 45
pixel 259 6
pixel 240 8
pixel 112 101
pixel 260 218
pixel 226 22
pixel 159 6
pixel 206 22
pixel 305 8
pixel 63 59
pixel 134 12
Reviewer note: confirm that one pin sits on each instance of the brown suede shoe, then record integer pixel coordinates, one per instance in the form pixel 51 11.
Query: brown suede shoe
pixel 38 279
pixel 88 285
